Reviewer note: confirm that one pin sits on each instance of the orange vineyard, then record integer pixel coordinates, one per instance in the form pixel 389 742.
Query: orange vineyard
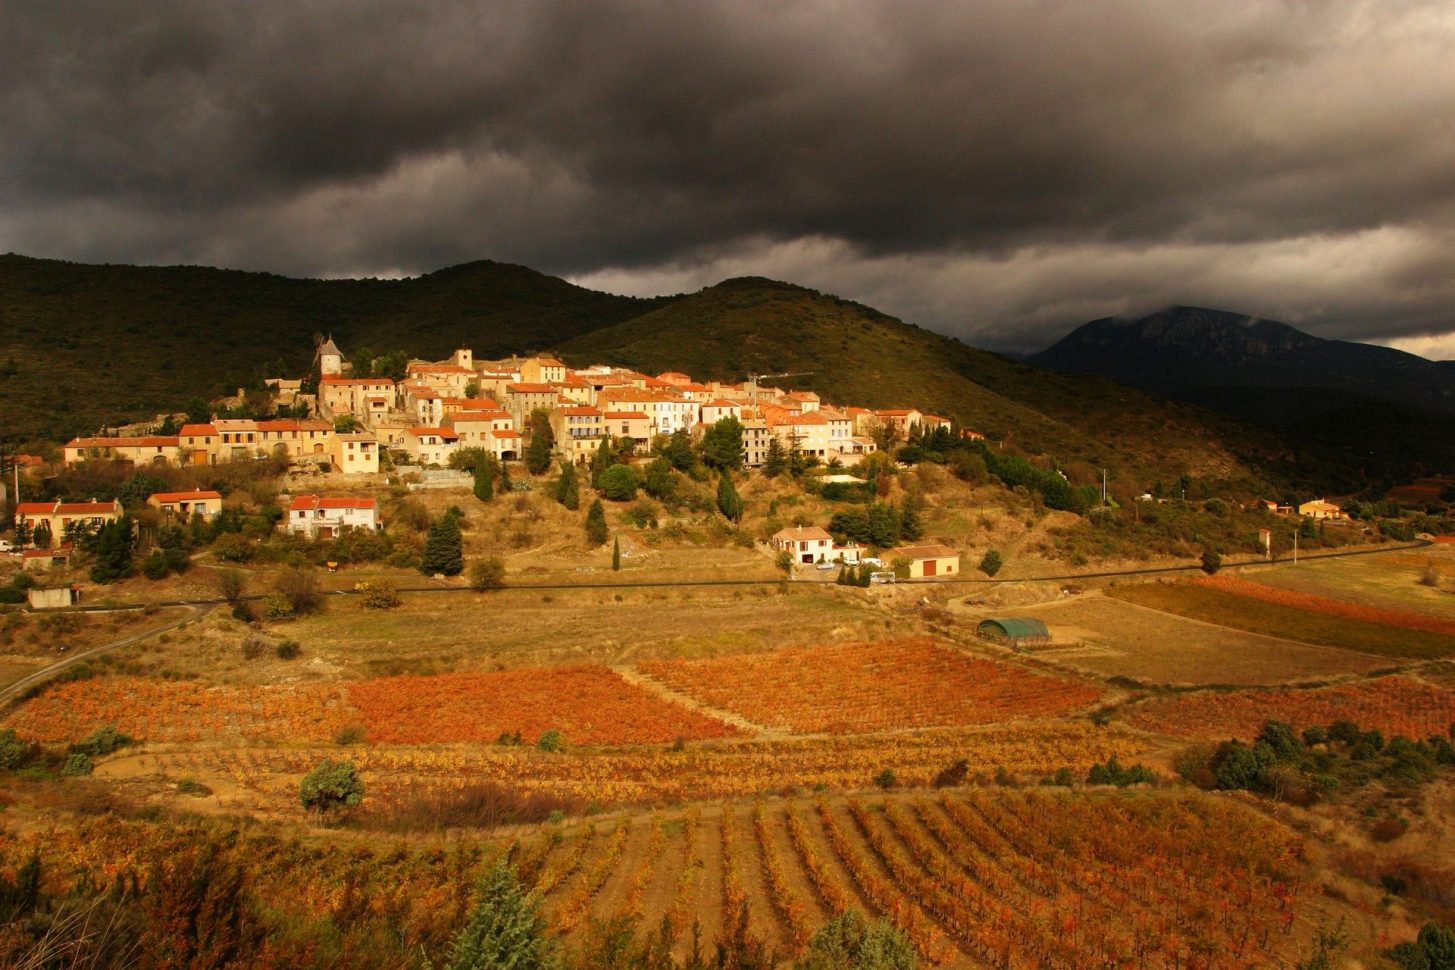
pixel 1393 705
pixel 590 705
pixel 269 776
pixel 1406 619
pixel 975 878
pixel 870 687
pixel 166 710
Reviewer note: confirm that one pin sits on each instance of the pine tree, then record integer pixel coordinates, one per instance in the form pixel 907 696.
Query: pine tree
pixel 443 552
pixel 910 526
pixel 568 488
pixel 595 524
pixel 112 547
pixel 728 501
pixel 41 538
pixel 722 445
pixel 616 555
pixel 505 929
pixel 776 462
pixel 23 533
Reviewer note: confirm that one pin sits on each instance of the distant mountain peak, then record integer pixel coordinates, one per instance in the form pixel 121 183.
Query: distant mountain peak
pixel 1187 352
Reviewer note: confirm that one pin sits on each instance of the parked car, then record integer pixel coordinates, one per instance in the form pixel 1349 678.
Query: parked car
pixel 7 546
pixel 885 576
pixel 871 561
pixel 825 564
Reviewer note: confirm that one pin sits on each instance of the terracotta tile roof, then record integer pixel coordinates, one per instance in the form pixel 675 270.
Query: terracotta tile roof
pixel 582 412
pixel 527 388
pixel 801 533
pixel 468 417
pixel 722 402
pixel 196 430
pixel 442 432
pixel 92 507
pixel 505 433
pixel 183 496
pixel 625 415
pixel 308 503
pixel 357 381
pixel 673 375
pixel 147 441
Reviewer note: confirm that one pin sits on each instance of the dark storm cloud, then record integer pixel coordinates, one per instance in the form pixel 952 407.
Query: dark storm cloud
pixel 999 170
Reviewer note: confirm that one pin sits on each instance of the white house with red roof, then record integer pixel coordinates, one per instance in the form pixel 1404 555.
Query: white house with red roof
pixel 205 503
pixel 431 446
pixel 326 516
pixel 62 516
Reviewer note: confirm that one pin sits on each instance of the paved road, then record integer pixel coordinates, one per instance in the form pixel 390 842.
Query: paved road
pixel 18 688
pixel 683 583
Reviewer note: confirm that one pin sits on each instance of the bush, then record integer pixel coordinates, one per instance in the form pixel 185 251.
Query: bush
pixel 77 764
pixel 551 740
pixel 848 942
pixel 243 612
pixel 101 742
pixel 1113 773
pixel 487 574
pixel 331 787
pixel 289 650
pixel 381 596
pixel 231 583
pixel 299 587
pixel 14 751
pixel 1211 561
pixel 155 565
pixel 619 483
pixel 990 563
pixel 953 774
pixel 277 607
pixel 505 929
pixel 886 779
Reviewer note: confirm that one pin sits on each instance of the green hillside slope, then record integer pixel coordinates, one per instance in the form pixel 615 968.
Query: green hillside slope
pixel 85 345
pixel 859 355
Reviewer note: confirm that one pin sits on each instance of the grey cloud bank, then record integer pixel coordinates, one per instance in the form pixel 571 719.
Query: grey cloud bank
pixel 999 171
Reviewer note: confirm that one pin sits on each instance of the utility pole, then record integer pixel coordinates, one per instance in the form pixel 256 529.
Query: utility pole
pixel 1295 547
pixel 1103 486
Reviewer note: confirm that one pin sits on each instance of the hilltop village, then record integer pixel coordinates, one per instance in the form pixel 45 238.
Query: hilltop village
pixel 356 424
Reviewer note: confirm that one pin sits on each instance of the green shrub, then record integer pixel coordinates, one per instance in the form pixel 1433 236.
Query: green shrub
pixel 288 650
pixel 381 596
pixel 101 742
pixel 14 751
pixel 551 740
pixel 331 787
pixel 76 764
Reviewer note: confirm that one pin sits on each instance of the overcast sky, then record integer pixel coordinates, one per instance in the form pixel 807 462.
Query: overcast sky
pixel 1000 171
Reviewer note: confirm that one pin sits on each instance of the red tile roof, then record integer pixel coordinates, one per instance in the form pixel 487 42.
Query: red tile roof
pixel 145 441
pixel 92 507
pixel 196 430
pixel 623 415
pixel 183 496
pixel 308 503
pixel 526 388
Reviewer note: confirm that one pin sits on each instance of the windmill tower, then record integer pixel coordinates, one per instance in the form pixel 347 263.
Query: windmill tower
pixel 327 356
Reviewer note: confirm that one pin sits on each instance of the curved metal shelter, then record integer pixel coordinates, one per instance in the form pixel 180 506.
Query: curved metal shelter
pixel 1014 630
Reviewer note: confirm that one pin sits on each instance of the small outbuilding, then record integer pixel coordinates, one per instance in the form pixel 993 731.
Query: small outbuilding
pixel 926 562
pixel 52 598
pixel 1014 632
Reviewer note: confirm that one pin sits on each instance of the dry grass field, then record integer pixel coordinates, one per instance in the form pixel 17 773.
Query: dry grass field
pixel 1239 612
pixel 1114 638
pixel 1389 580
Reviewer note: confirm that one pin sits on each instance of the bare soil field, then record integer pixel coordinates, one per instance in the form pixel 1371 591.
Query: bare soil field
pixel 1113 638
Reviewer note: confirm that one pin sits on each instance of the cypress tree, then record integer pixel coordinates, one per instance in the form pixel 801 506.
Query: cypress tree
pixel 505 485
pixel 505 929
pixel 595 524
pixel 484 479
pixel 568 489
pixel 616 554
pixel 601 461
pixel 23 533
pixel 538 453
pixel 443 552
pixel 728 501
pixel 910 526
